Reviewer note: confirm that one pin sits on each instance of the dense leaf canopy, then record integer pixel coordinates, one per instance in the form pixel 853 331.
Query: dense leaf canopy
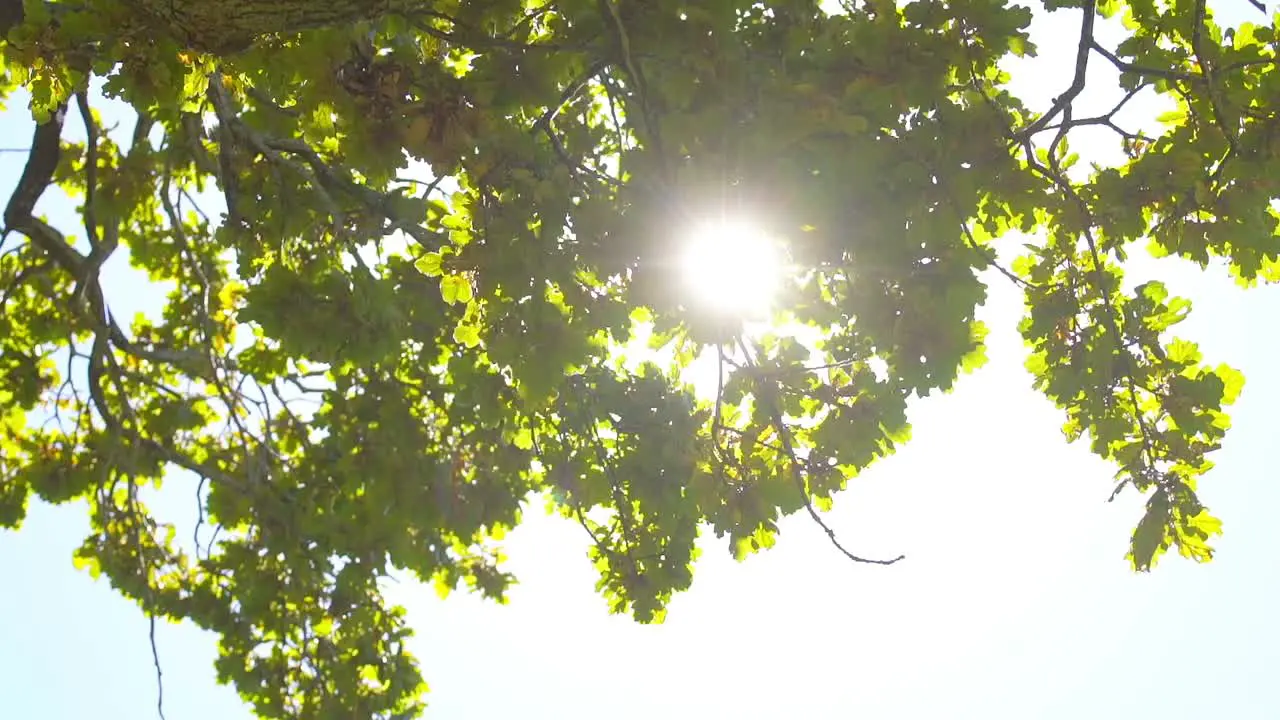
pixel 450 226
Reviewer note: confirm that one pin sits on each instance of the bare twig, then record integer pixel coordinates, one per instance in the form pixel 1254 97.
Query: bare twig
pixel 155 660
pixel 1126 67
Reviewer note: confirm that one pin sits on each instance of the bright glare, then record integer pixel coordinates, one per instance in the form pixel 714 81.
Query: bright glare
pixel 733 267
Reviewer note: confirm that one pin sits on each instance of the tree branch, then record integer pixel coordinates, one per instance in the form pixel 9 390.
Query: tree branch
pixel 798 468
pixel 226 27
pixel 1064 100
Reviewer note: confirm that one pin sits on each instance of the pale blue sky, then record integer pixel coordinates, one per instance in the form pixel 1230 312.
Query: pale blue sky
pixel 1015 600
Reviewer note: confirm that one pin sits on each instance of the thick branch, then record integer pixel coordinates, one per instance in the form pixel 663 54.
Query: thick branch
pixel 227 26
pixel 11 15
pixel 1063 101
pixel 36 176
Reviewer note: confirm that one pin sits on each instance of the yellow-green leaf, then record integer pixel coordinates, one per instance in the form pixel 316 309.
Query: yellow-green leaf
pixel 455 289
pixel 430 264
pixel 467 335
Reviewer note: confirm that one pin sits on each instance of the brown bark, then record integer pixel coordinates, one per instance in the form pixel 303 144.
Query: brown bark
pixel 11 15
pixel 228 26
pixel 223 26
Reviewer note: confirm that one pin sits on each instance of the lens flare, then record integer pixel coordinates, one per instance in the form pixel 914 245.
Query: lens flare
pixel 733 267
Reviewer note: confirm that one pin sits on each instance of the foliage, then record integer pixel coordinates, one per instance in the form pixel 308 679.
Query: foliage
pixel 444 220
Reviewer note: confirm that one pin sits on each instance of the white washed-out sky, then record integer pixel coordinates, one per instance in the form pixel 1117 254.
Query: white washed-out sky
pixel 1015 601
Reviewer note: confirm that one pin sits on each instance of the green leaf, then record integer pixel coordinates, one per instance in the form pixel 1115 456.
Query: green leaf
pixel 523 439
pixel 455 289
pixel 430 264
pixel 467 335
pixel 1207 524
pixel 1232 383
pixel 1151 538
pixel 86 562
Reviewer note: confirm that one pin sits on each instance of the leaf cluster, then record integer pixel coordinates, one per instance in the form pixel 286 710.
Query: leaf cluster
pixel 444 229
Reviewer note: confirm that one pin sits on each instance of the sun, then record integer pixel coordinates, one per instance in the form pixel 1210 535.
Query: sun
pixel 734 267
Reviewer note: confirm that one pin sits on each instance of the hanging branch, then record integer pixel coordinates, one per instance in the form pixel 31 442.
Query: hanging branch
pixel 799 469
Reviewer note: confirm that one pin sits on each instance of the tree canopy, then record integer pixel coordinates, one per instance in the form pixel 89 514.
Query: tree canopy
pixel 451 226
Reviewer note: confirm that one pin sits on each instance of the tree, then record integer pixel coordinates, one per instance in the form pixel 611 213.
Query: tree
pixel 447 223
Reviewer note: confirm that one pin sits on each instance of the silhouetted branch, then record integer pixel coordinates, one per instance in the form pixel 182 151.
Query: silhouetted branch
pixel 798 468
pixel 1064 100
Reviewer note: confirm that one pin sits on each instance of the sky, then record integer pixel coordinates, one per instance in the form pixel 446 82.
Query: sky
pixel 1015 600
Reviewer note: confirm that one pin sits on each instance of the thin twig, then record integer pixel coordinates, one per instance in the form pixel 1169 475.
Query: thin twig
pixel 155 660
